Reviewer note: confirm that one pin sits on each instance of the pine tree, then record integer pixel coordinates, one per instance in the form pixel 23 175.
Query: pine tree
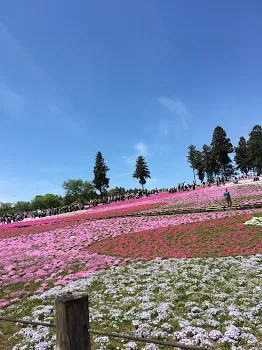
pixel 255 147
pixel 141 172
pixel 100 181
pixel 220 148
pixel 242 156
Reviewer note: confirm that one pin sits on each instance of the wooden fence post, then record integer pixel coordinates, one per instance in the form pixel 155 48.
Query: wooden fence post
pixel 72 322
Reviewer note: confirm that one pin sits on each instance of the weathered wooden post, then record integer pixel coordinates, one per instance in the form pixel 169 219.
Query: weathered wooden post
pixel 72 322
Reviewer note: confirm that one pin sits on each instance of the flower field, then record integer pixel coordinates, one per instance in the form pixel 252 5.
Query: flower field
pixel 201 198
pixel 196 301
pixel 194 278
pixel 227 236
pixel 69 219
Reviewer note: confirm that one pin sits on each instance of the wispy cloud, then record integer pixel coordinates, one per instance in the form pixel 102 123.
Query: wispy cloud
pixel 176 107
pixel 131 160
pixel 120 175
pixel 159 131
pixel 141 149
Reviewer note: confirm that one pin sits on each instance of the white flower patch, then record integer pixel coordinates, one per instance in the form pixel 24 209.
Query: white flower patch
pixel 204 302
pixel 131 346
pixel 101 340
pixel 167 326
pixel 150 347
pixel 215 335
pixel 145 315
pixel 255 221
pixel 232 332
pixel 143 330
pixel 38 339
pixel 41 312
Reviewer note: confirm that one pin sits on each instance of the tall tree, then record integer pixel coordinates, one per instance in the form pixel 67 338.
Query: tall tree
pixel 221 147
pixel 255 147
pixel 200 166
pixel 191 158
pixel 100 181
pixel 242 156
pixel 208 162
pixel 196 160
pixel 141 172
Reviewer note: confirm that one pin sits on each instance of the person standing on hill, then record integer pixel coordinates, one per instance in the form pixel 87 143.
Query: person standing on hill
pixel 228 198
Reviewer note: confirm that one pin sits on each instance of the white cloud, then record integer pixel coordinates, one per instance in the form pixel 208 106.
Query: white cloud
pixel 160 133
pixel 176 107
pixel 141 149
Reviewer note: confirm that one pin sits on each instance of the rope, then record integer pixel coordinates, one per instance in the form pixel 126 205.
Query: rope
pixel 149 340
pixel 115 335
pixel 34 323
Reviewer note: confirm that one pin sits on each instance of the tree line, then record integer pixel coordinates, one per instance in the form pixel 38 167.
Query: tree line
pixel 80 191
pixel 214 160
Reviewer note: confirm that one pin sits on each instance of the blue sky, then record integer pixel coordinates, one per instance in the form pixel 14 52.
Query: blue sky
pixel 126 78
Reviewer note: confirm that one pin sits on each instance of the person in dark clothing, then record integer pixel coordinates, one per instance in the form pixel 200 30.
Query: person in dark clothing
pixel 228 198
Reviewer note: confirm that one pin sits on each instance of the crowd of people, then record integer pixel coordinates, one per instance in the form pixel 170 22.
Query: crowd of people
pixel 40 213
pixel 129 195
pixel 56 211
pixel 9 218
pixel 183 186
